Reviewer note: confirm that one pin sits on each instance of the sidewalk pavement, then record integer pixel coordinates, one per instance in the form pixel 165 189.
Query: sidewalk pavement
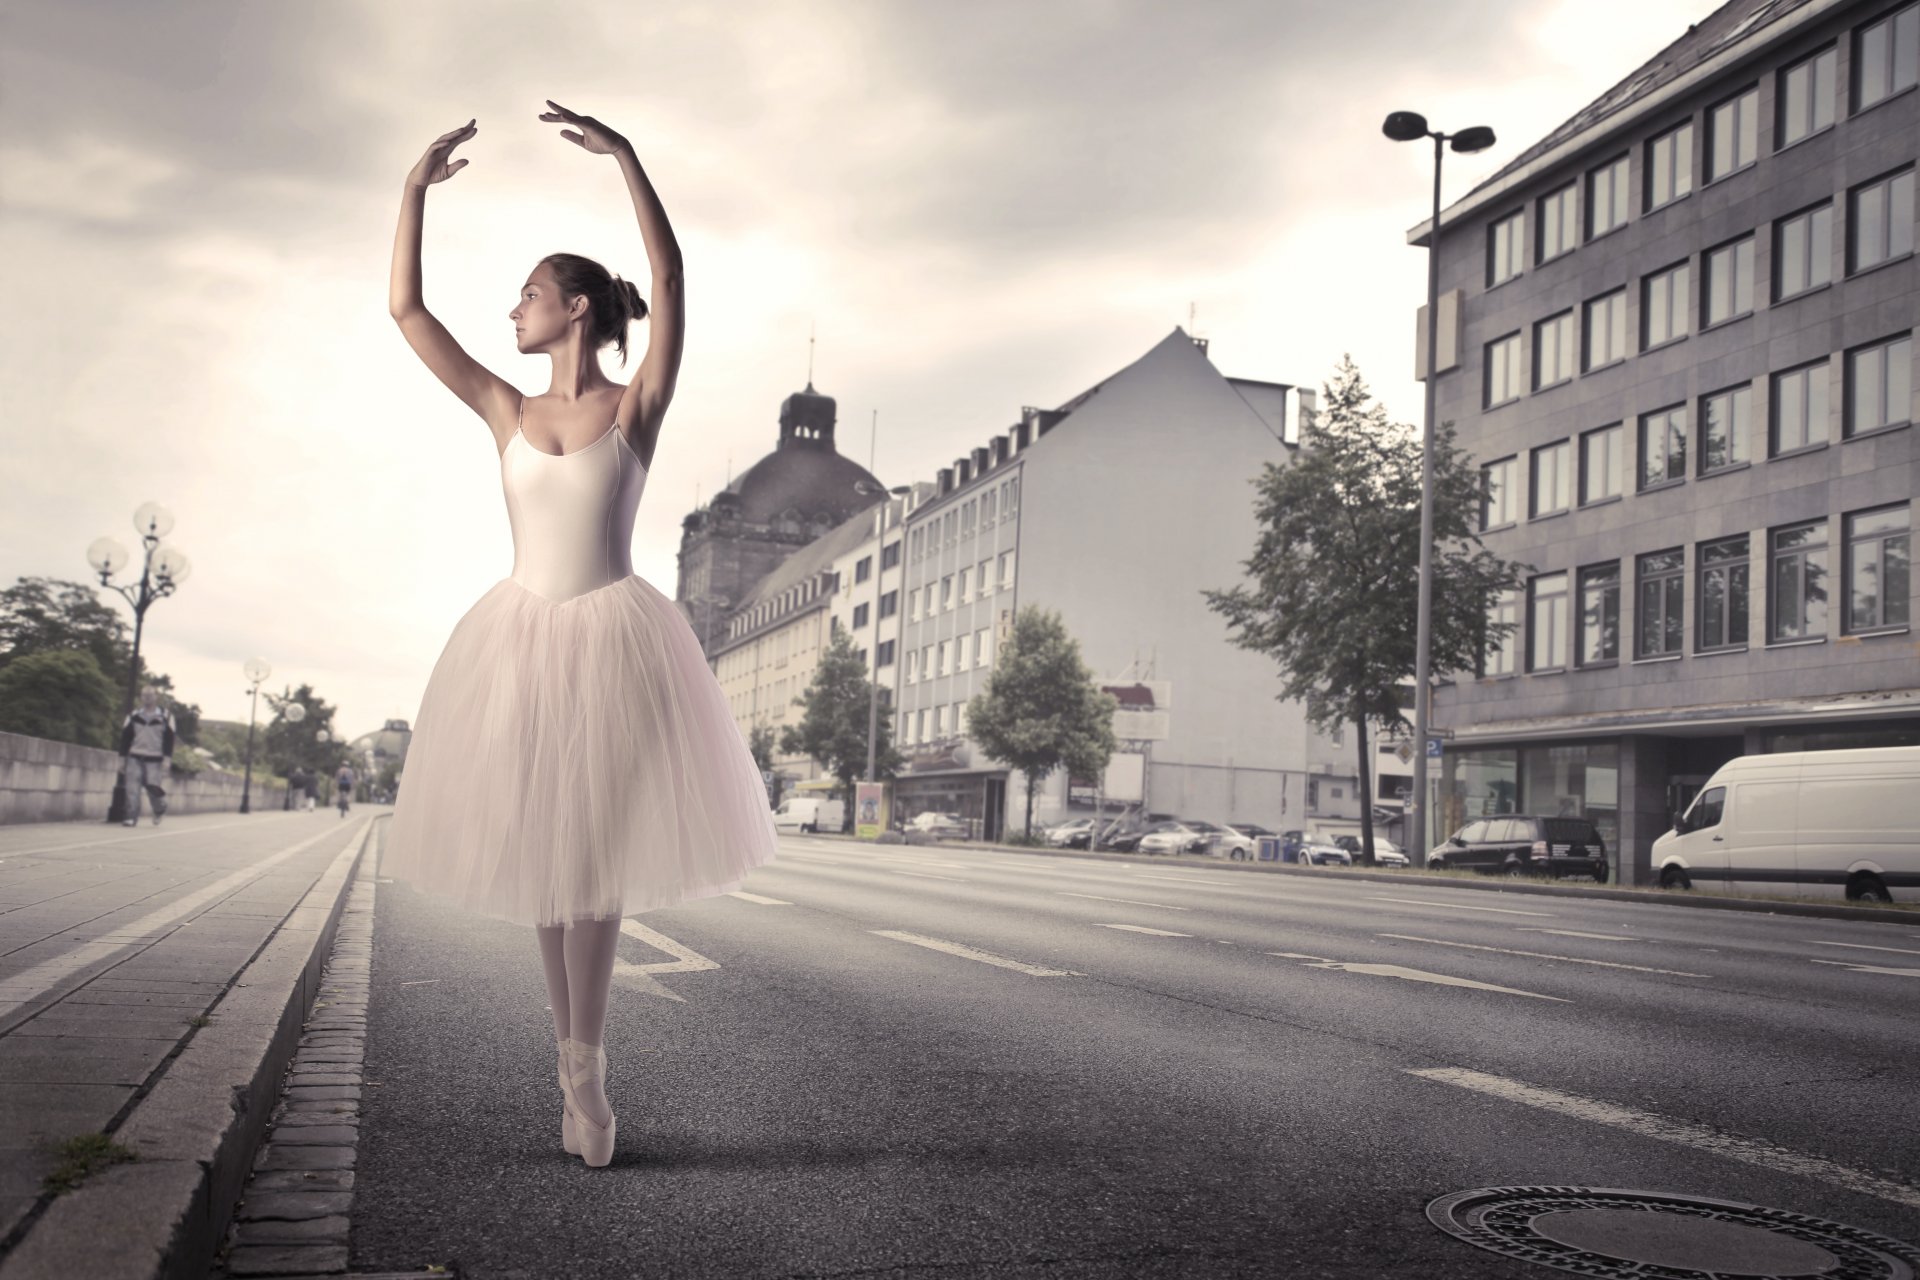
pixel 153 983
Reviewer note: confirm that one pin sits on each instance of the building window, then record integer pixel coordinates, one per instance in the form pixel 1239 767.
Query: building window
pixel 1558 232
pixel 1503 652
pixel 1607 197
pixel 1551 489
pixel 1670 166
pixel 1878 580
pixel 859 616
pixel 1547 622
pixel 1504 370
pixel 983 583
pixel 1006 568
pixel 889 604
pixel 1599 614
pixel 1553 342
pixel 1663 446
pixel 1658 614
pixel 1500 483
pixel 1880 221
pixel 1806 97
pixel 913 666
pixel 1733 134
pixel 1663 306
pixel 1799 409
pixel 1602 463
pixel 1728 288
pixel 1725 417
pixel 1723 594
pixel 890 555
pixel 946 592
pixel 862 569
pixel 885 659
pixel 988 501
pixel 1504 249
pixel 1879 386
pixel 1606 330
pixel 1797 582
pixel 1803 251
pixel 1886 55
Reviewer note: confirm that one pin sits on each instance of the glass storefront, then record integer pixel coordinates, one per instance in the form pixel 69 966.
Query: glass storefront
pixel 1581 779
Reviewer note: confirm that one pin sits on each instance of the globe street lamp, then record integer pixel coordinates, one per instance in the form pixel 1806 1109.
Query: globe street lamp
pixel 256 670
pixel 1406 126
pixel 163 568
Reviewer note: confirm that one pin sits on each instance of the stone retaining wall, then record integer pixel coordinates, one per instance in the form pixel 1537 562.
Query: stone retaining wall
pixel 46 781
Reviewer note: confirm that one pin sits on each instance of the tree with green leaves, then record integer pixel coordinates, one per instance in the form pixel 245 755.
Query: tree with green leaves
pixel 833 729
pixel 1041 708
pixel 60 694
pixel 44 615
pixel 1335 571
pixel 761 745
pixel 290 744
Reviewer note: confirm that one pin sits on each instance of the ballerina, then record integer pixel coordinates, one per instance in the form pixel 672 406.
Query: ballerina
pixel 574 760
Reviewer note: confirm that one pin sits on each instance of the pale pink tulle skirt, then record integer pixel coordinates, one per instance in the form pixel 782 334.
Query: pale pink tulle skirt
pixel 576 760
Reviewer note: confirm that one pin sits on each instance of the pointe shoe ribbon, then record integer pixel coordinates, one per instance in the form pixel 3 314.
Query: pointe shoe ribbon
pixel 587 1065
pixel 569 1135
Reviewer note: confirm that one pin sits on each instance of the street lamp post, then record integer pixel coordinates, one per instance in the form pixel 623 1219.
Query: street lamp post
pixel 1405 126
pixel 256 670
pixel 162 570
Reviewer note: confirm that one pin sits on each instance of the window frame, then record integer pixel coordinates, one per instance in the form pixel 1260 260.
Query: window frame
pixel 1775 555
pixel 1569 219
pixel 1775 400
pixel 1516 369
pixel 1562 479
pixel 1850 565
pixel 1678 304
pixel 1616 300
pixel 1618 452
pixel 1890 21
pixel 1672 614
pixel 1751 113
pixel 1669 453
pixel 1619 174
pixel 1511 497
pixel 1807 215
pixel 1517 221
pixel 1565 340
pixel 1535 598
pixel 1740 452
pixel 1892 372
pixel 1737 572
pixel 1606 576
pixel 1783 101
pixel 1678 169
pixel 1889 222
pixel 1500 659
pixel 1708 280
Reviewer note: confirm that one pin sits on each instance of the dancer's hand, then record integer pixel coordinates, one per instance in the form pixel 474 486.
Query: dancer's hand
pixel 592 135
pixel 433 166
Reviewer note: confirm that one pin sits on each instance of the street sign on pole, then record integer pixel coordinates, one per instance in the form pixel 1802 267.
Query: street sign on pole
pixel 1433 748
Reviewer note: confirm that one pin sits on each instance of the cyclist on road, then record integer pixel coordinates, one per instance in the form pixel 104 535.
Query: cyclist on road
pixel 343 787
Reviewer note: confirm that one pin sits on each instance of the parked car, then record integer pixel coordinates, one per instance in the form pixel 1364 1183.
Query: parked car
pixel 1518 844
pixel 1813 822
pixel 1178 835
pixel 940 825
pixel 1241 840
pixel 1071 834
pixel 1126 841
pixel 809 813
pixel 1385 852
pixel 1313 849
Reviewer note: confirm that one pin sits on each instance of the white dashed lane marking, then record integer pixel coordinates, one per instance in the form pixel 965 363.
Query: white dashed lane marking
pixel 1574 933
pixel 1861 946
pixel 1411 975
pixel 1140 928
pixel 974 953
pixel 925 875
pixel 1870 968
pixel 744 896
pixel 1542 955
pixel 1455 906
pixel 1068 893
pixel 1662 1129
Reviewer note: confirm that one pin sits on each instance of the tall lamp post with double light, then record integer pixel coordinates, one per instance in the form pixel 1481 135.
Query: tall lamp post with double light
pixel 163 569
pixel 879 562
pixel 256 670
pixel 1408 126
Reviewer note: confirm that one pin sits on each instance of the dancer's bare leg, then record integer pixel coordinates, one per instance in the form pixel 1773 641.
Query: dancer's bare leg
pixel 553 959
pixel 589 948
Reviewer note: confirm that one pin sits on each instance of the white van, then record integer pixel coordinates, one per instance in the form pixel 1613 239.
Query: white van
pixel 809 813
pixel 1803 823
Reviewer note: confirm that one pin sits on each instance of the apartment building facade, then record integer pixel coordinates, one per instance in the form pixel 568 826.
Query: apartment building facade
pixel 1682 351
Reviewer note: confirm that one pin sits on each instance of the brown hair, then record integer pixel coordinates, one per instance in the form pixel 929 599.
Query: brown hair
pixel 612 303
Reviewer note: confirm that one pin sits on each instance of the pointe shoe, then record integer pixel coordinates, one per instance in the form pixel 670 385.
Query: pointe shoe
pixel 569 1135
pixel 586 1065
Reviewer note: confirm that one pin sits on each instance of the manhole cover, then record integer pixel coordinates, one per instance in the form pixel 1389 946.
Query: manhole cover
pixel 1646 1235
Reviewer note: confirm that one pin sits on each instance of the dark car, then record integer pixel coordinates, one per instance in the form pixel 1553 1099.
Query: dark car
pixel 1521 844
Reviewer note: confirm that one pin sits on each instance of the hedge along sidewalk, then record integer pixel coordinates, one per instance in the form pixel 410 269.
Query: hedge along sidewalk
pixel 1496 884
pixel 195 1133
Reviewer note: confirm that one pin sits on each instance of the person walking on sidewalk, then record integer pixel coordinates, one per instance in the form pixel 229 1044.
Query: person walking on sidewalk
pixel 312 788
pixel 146 749
pixel 574 760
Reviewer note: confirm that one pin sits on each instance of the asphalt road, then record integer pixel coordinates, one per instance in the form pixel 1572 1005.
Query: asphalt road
pixel 1229 1085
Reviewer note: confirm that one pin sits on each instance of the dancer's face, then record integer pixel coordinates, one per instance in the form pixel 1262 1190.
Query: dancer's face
pixel 542 316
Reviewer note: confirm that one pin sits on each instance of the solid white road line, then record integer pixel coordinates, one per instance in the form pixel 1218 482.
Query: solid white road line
pixel 1861 946
pixel 1662 1129
pixel 1454 906
pixel 972 953
pixel 1574 933
pixel 1870 968
pixel 1068 893
pixel 1140 928
pixel 1542 955
pixel 29 985
pixel 744 896
pixel 1412 975
pixel 926 875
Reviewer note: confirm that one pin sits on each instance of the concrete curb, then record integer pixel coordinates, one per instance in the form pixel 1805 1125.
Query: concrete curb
pixel 1487 884
pixel 166 1214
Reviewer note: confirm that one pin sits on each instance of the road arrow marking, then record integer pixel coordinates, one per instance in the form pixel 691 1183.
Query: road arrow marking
pixel 685 960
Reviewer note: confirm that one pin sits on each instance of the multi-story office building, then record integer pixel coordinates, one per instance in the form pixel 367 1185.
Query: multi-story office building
pixel 1682 349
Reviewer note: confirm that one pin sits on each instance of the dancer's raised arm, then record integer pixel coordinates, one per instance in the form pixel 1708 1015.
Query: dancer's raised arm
pixel 645 402
pixel 483 391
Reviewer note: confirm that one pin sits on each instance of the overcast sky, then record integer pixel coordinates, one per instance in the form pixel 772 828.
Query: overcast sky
pixel 978 205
